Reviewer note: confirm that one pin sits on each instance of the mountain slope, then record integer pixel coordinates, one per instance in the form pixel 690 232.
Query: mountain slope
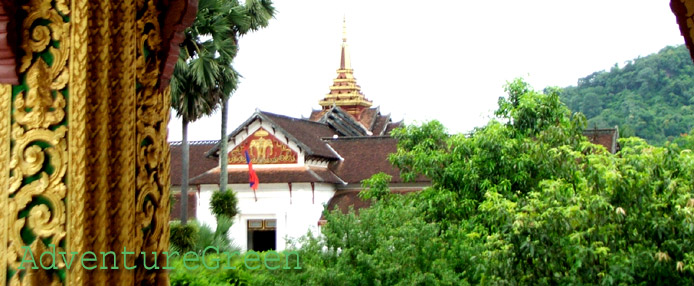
pixel 650 97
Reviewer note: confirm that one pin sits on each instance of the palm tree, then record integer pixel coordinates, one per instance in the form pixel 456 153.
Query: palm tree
pixel 203 75
pixel 252 16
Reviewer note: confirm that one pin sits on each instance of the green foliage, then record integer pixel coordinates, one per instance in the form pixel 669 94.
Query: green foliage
pixel 525 200
pixel 195 237
pixel 685 141
pixel 219 238
pixel 224 204
pixel 376 187
pixel 172 202
pixel 208 276
pixel 650 97
pixel 204 74
pixel 201 239
pixel 183 236
pixel 387 244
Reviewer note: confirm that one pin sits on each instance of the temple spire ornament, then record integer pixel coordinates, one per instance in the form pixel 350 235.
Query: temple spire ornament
pixel 345 92
pixel 344 55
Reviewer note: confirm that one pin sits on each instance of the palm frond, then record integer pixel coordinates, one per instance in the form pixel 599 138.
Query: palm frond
pixel 204 74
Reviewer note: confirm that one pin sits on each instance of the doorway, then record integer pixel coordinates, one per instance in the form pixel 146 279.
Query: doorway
pixel 262 234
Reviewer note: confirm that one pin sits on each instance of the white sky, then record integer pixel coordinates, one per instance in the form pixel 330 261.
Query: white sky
pixel 444 60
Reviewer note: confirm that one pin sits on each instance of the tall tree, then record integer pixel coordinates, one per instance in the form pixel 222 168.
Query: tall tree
pixel 252 16
pixel 203 75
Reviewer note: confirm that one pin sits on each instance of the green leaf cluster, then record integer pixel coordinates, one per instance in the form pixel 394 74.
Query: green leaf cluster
pixel 208 276
pixel 524 200
pixel 183 236
pixel 224 204
pixel 204 75
pixel 195 237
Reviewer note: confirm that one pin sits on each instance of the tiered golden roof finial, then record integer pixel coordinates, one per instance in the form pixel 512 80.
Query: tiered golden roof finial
pixel 345 92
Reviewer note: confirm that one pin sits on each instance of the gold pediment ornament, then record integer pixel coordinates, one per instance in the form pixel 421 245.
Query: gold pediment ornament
pixel 263 148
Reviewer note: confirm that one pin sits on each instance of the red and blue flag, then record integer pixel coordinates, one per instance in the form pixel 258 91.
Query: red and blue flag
pixel 252 176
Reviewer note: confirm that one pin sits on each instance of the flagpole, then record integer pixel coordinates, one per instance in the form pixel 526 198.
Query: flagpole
pixel 252 177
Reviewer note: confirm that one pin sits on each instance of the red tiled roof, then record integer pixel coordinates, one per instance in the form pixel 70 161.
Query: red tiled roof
pixel 379 127
pixel 306 132
pixel 343 123
pixel 605 137
pixel 371 119
pixel 368 117
pixel 198 162
pixel 392 126
pixel 365 156
pixel 274 175
pixel 176 208
pixel 316 115
pixel 343 200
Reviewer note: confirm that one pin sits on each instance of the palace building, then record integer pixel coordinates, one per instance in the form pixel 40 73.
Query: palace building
pixel 303 164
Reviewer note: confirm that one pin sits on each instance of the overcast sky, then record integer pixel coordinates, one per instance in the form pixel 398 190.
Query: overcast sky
pixel 424 60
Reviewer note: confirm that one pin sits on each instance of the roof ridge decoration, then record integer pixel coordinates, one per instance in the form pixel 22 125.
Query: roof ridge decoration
pixel 289 117
pixel 343 122
pixel 276 127
pixel 195 142
pixel 345 92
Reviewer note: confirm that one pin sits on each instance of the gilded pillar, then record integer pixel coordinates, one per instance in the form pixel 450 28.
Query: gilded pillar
pixel 83 151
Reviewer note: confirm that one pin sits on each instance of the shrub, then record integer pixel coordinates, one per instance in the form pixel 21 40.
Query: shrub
pixel 219 238
pixel 224 204
pixel 183 236
pixel 376 187
pixel 202 275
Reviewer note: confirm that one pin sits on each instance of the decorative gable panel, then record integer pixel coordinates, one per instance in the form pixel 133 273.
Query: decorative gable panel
pixel 263 148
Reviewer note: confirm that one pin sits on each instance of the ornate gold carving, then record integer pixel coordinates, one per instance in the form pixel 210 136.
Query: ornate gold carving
pixel 122 133
pixel 98 39
pixel 263 150
pixel 152 164
pixel 38 156
pixel 77 138
pixel 106 140
pixel 260 147
pixel 5 113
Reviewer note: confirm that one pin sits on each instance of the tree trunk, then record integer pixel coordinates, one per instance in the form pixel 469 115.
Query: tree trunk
pixel 184 176
pixel 223 176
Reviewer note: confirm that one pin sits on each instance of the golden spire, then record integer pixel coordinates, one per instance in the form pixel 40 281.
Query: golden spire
pixel 345 92
pixel 344 29
pixel 345 62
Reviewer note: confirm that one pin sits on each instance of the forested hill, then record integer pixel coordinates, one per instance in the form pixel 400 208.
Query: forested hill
pixel 650 97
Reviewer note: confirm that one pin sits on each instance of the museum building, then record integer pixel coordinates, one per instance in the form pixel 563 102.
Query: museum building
pixel 302 165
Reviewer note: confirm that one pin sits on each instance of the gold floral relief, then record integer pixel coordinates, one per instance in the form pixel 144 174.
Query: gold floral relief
pixel 152 162
pixel 5 113
pixel 36 210
pixel 263 148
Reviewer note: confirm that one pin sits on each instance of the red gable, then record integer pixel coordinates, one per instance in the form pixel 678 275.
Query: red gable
pixel 263 148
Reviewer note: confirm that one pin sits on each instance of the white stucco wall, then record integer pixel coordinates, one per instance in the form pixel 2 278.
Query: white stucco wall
pixel 295 216
pixel 293 219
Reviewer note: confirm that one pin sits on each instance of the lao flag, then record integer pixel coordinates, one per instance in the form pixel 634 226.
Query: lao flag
pixel 252 177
